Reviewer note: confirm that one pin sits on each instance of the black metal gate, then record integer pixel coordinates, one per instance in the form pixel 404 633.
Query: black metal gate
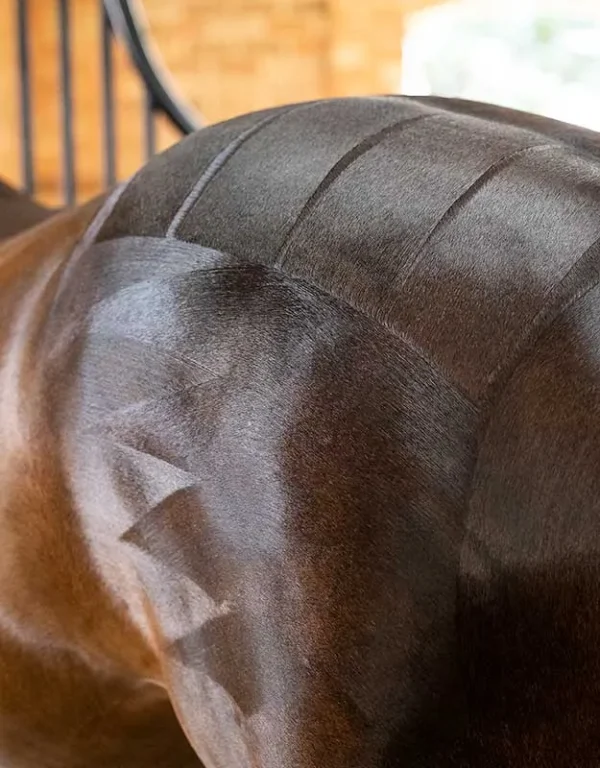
pixel 121 20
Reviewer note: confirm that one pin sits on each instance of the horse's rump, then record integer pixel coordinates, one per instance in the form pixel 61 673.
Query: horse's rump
pixel 325 388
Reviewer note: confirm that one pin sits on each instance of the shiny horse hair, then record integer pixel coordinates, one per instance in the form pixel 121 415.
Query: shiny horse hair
pixel 323 392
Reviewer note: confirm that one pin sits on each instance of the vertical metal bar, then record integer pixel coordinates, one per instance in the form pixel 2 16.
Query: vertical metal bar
pixel 25 98
pixel 67 103
pixel 108 100
pixel 149 125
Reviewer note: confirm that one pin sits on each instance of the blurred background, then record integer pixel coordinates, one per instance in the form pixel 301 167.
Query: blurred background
pixel 227 57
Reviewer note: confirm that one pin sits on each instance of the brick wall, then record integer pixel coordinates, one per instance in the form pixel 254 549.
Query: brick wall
pixel 243 55
pixel 240 55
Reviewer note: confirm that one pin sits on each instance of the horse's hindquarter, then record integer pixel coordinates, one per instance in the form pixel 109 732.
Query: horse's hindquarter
pixel 305 320
pixel 306 372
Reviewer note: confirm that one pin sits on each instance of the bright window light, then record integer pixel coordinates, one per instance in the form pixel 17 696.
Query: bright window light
pixel 536 55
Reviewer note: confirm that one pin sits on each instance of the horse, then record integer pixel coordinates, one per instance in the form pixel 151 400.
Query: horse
pixel 300 447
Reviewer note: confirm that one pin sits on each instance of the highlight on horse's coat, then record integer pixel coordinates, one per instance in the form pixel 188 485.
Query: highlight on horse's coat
pixel 300 450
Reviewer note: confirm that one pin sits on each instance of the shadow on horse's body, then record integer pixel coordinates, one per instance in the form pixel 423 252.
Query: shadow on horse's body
pixel 18 212
pixel 300 450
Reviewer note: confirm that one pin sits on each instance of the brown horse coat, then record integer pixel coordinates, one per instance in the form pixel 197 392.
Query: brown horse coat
pixel 300 451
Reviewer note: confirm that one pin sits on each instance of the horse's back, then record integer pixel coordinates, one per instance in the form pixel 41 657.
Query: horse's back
pixel 327 381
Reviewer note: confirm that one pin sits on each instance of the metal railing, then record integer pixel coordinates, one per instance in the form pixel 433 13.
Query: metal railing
pixel 123 21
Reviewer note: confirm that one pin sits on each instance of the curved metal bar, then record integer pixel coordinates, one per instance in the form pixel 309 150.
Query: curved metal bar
pixel 125 19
